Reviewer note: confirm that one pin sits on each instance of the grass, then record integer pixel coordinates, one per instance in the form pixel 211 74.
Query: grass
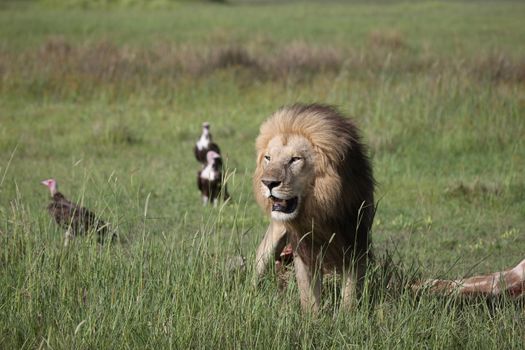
pixel 110 104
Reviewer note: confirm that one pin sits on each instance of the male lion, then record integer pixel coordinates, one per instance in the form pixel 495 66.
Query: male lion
pixel 314 179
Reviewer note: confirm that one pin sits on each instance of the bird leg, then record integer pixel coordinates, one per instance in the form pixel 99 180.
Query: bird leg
pixel 67 237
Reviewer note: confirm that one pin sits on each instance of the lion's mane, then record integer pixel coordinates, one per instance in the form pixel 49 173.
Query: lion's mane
pixel 338 208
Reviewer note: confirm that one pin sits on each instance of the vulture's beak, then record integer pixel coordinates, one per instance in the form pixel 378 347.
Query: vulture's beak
pixel 44 183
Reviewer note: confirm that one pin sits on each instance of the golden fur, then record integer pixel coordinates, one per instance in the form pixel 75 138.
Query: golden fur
pixel 312 155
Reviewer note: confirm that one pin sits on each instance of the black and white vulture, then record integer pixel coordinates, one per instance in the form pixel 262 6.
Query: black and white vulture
pixel 209 179
pixel 75 219
pixel 205 144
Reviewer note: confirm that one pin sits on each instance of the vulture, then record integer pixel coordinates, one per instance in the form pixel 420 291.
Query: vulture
pixel 75 219
pixel 209 179
pixel 205 144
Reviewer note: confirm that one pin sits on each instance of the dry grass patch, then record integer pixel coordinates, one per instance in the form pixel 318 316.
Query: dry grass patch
pixel 474 189
pixel 60 68
pixel 301 58
pixel 391 39
pixel 499 67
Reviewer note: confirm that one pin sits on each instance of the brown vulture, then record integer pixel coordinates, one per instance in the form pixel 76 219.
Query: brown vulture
pixel 209 179
pixel 205 144
pixel 75 219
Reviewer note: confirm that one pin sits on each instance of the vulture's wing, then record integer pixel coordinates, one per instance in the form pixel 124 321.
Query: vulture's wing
pixel 69 214
pixel 213 147
pixel 199 181
pixel 198 154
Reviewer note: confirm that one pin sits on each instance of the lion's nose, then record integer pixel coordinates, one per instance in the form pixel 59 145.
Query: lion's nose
pixel 271 183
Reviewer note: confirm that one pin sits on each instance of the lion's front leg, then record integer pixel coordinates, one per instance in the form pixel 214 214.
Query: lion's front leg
pixel 271 246
pixel 309 283
pixel 353 280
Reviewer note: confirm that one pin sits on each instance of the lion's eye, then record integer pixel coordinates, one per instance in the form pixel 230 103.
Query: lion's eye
pixel 295 159
pixel 267 158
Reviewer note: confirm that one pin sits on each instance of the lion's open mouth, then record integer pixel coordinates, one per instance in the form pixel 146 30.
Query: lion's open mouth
pixel 284 205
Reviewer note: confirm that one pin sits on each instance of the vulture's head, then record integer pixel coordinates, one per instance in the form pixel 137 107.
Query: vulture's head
pixel 214 160
pixel 212 156
pixel 52 185
pixel 206 129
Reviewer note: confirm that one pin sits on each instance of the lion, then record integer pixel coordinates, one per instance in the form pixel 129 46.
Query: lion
pixel 314 180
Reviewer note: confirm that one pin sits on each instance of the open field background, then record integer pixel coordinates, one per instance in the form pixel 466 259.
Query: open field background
pixel 109 101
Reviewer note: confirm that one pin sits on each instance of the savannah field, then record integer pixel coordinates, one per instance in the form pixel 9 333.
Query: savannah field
pixel 109 99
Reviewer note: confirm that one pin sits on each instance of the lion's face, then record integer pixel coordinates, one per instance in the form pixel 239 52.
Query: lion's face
pixel 287 175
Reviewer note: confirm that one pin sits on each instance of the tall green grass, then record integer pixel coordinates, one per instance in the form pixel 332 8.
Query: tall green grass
pixel 110 103
pixel 156 290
